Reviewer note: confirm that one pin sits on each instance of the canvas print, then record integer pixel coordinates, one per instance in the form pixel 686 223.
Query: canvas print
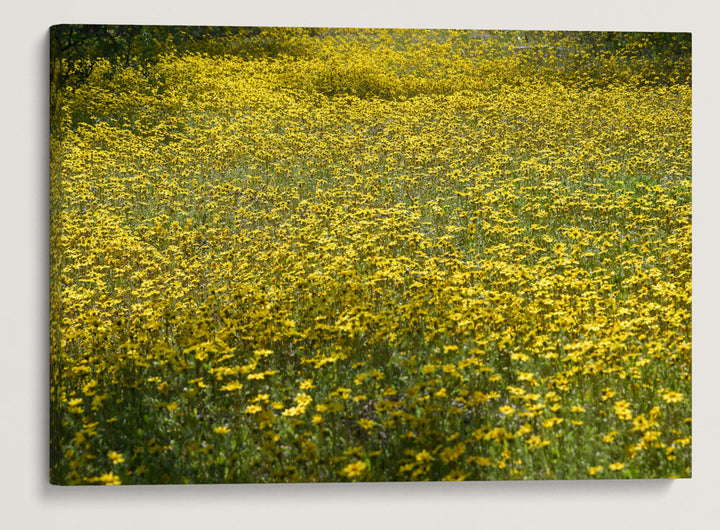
pixel 335 255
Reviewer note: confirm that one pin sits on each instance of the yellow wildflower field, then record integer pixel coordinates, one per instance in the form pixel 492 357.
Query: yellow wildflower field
pixel 294 255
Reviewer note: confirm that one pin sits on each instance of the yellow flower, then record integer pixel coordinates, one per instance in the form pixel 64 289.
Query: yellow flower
pixel 366 424
pixel 608 393
pixel 303 400
pixel 354 469
pixel 622 410
pixel 523 430
pixel 617 466
pixel 423 456
pixel 428 369
pixel 117 458
pixel 109 479
pixel 535 442
pixel 343 392
pixel 673 397
pixel 595 470
pixel 498 434
pixel 450 454
pixel 683 441
pixel 235 385
pixel 551 422
pixel 221 430
pixel 88 388
pixel 253 409
pixel 610 437
pixel 507 410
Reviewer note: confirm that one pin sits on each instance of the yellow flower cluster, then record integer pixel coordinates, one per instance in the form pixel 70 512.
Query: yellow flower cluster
pixel 399 255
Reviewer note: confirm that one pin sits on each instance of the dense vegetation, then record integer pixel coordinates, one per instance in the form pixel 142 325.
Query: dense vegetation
pixel 327 255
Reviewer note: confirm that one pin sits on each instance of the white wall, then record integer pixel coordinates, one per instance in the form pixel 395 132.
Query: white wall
pixel 28 502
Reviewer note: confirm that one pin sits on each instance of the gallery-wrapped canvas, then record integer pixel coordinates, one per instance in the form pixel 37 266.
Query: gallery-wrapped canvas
pixel 329 255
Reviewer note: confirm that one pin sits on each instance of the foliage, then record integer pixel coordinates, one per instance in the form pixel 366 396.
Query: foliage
pixel 392 255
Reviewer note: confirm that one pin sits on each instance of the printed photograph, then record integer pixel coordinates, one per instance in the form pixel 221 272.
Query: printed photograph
pixel 368 255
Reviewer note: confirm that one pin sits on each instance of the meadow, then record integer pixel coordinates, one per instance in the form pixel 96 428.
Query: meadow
pixel 387 255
